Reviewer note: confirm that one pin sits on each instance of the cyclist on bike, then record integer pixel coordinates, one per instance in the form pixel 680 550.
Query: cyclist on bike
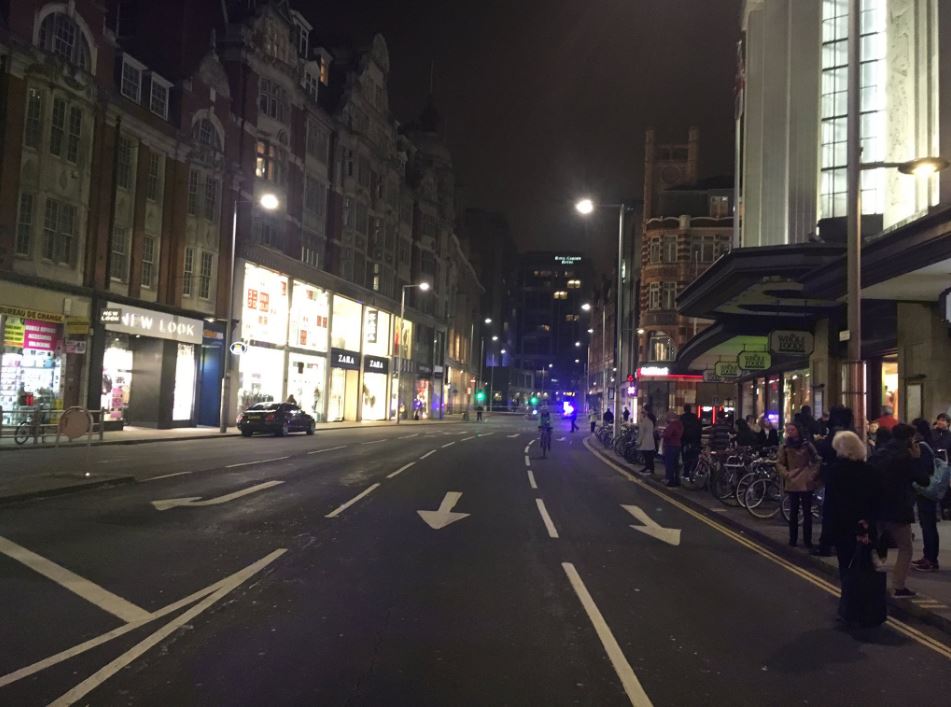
pixel 544 418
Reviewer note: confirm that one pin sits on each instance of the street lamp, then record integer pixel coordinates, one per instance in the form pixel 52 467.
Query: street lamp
pixel 269 202
pixel 488 320
pixel 423 287
pixel 585 207
pixel 586 307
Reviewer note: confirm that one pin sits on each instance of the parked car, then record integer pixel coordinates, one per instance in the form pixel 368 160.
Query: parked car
pixel 276 418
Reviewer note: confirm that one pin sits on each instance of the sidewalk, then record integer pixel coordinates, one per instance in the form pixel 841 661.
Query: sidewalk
pixel 933 603
pixel 141 435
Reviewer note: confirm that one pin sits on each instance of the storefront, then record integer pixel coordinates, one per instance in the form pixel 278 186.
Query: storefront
pixel 344 385
pixel 309 342
pixel 401 387
pixel 31 365
pixel 264 317
pixel 376 368
pixel 149 366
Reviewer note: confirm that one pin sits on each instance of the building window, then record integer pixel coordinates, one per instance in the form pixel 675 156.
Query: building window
pixel 119 262
pixel 310 255
pixel 148 262
pixel 317 143
pixel 194 202
pixel 660 347
pixel 348 212
pixel 124 163
pixel 131 84
pixel 572 317
pixel 299 35
pixel 34 118
pixel 204 276
pixel 211 199
pixel 158 100
pixel 310 85
pixel 706 249
pixel 719 206
pixel 668 296
pixel 272 99
pixel 75 134
pixel 24 225
pixel 362 221
pixel 271 162
pixel 153 183
pixel 324 71
pixel 60 35
pixel 188 272
pixel 58 127
pixel 313 191
pixel 670 249
pixel 653 296
pixel 59 230
pixel 560 294
pixel 654 251
pixel 207 134
pixel 268 232
pixel 574 284
pixel 364 172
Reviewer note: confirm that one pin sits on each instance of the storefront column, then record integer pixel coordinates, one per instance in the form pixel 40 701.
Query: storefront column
pixel 924 361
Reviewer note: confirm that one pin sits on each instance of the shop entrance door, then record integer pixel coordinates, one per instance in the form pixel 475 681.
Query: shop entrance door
pixel 209 386
pixel 352 396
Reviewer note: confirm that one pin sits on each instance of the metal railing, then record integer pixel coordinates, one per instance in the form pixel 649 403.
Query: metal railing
pixel 36 423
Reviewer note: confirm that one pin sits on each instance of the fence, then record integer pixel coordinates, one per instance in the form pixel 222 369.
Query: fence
pixel 36 423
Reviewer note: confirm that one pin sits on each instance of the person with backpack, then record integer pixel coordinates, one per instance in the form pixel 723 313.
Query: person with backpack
pixel 798 465
pixel 899 464
pixel 928 506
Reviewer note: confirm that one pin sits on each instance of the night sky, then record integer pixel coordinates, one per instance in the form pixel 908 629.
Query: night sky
pixel 545 99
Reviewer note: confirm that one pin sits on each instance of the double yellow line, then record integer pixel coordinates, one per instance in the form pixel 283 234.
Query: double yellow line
pixel 924 639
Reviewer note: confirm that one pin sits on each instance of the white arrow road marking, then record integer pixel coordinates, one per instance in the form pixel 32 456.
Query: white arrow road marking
pixel 560 439
pixel 528 462
pixel 671 536
pixel 632 686
pixel 512 436
pixel 80 586
pixel 437 520
pixel 340 509
pixel 546 519
pixel 195 501
pixel 256 461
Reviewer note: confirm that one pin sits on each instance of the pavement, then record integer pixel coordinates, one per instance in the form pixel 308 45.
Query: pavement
pixel 439 565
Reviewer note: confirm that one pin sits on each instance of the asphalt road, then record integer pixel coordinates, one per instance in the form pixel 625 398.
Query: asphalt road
pixel 307 576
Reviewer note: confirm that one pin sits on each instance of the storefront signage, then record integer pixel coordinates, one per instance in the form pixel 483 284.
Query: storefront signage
pixel 76 326
pixel 373 317
pixel 75 346
pixel 710 376
pixel 376 364
pixel 567 259
pixel 238 348
pixel 791 343
pixel 25 313
pixel 727 369
pixel 342 358
pixel 425 370
pixel 147 322
pixel 264 309
pixel 653 371
pixel 754 360
pixel 40 336
pixel 13 332
pixel 110 316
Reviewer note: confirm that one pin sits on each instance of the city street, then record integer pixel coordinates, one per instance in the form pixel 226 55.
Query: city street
pixel 417 565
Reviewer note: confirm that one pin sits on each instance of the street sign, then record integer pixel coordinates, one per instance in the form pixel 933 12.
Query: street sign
pixel 791 343
pixel 238 348
pixel 710 376
pixel 110 316
pixel 727 369
pixel 754 360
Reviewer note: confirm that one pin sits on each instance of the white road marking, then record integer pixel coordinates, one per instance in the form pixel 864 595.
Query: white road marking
pixel 415 434
pixel 486 434
pixel 80 586
pixel 512 436
pixel 428 454
pixel 81 648
pixel 400 470
pixel 167 476
pixel 449 444
pixel 632 686
pixel 560 439
pixel 340 509
pixel 439 519
pixel 671 536
pixel 546 519
pixel 526 447
pixel 328 449
pixel 531 479
pixel 256 461
pixel 466 439
pixel 376 441
pixel 528 462
pixel 196 502
pixel 107 671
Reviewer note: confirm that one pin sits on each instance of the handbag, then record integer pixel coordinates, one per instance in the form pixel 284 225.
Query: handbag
pixel 864 596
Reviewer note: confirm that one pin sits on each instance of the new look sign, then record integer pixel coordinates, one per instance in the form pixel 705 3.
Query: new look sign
pixel 147 322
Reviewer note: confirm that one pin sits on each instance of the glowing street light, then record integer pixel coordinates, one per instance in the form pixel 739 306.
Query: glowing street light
pixel 269 201
pixel 584 206
pixel 586 307
pixel 488 320
pixel 923 166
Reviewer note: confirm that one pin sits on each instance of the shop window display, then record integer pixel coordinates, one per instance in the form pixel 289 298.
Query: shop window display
pixel 31 365
pixel 376 332
pixel 306 379
pixel 797 391
pixel 116 377
pixel 184 398
pixel 374 396
pixel 345 333
pixel 261 374
pixel 310 317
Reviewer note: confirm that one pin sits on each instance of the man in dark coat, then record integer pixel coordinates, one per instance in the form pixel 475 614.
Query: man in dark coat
pixel 840 418
pixel 693 434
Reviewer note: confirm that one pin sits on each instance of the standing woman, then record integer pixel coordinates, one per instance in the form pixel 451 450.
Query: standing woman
pixel 646 444
pixel 798 464
pixel 927 507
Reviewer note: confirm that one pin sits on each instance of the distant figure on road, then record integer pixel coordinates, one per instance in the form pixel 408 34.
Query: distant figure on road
pixel 479 409
pixel 593 419
pixel 673 440
pixel 857 485
pixel 573 419
pixel 626 415
pixel 840 419
pixel 608 417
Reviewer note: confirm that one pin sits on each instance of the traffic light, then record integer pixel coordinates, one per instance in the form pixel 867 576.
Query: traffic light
pixel 480 396
pixel 534 401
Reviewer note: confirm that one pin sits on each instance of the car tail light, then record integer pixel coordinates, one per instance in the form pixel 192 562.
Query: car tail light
pixel 269 418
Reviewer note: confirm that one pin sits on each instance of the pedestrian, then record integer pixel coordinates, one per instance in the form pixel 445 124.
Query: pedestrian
pixel 693 436
pixel 941 435
pixel 927 507
pixel 887 419
pixel 593 419
pixel 720 436
pixel 479 410
pixel 840 420
pixel 573 418
pixel 646 444
pixel 673 440
pixel 745 435
pixel 768 436
pixel 899 466
pixel 798 465
pixel 807 423
pixel 291 400
pixel 608 417
pixel 626 415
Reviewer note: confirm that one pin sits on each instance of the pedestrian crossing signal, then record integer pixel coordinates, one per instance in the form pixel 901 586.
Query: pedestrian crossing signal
pixel 480 396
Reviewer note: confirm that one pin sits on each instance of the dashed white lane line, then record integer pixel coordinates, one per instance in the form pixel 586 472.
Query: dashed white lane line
pixel 528 462
pixel 256 461
pixel 340 509
pixel 167 476
pixel 486 434
pixel 632 686
pixel 526 447
pixel 428 454
pixel 400 470
pixel 80 586
pixel 512 436
pixel 376 441
pixel 466 439
pixel 531 479
pixel 328 449
pixel 546 519
pixel 448 444
pixel 415 434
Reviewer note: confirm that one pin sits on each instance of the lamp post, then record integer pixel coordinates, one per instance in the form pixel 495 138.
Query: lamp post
pixel 268 202
pixel 492 376
pixel 423 287
pixel 585 207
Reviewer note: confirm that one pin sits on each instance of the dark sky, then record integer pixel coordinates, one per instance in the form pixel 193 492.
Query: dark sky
pixel 545 99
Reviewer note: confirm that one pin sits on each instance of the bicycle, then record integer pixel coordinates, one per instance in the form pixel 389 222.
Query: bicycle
pixel 544 440
pixel 703 470
pixel 31 427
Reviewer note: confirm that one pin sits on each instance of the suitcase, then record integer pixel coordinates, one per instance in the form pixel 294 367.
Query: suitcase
pixel 864 598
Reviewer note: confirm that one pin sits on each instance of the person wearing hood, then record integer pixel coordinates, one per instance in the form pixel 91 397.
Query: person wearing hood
pixel 798 465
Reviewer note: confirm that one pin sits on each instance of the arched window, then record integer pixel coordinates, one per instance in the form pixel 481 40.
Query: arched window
pixel 206 134
pixel 60 35
pixel 660 347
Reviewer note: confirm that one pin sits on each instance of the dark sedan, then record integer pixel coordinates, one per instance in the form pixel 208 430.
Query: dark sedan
pixel 276 418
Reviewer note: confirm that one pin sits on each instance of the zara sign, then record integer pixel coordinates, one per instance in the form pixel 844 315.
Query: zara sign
pixel 341 358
